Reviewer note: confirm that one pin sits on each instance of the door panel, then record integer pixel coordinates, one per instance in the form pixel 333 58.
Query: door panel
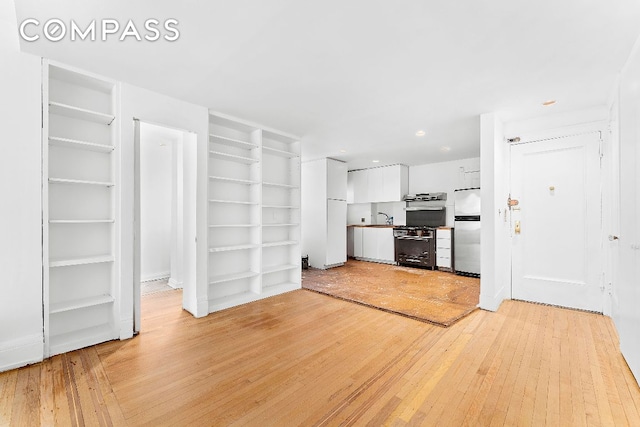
pixel 369 243
pixel 626 289
pixel 557 254
pixel 358 250
pixel 386 249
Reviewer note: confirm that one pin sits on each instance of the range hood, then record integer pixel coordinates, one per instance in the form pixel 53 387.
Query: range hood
pixel 424 208
pixel 425 197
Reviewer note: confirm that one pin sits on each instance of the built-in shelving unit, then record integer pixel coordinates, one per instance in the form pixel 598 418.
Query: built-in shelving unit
pixel 254 199
pixel 81 296
pixel 281 213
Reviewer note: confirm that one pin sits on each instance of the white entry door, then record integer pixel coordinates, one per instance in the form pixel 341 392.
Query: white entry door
pixel 556 227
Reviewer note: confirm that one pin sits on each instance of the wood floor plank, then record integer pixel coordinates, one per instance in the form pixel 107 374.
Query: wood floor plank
pixel 8 381
pixel 26 402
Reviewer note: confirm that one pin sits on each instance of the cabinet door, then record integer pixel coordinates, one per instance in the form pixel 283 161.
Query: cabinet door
pixel 391 184
pixel 385 242
pixel 376 185
pixel 358 251
pixel 336 179
pixel 360 186
pixel 336 232
pixel 370 243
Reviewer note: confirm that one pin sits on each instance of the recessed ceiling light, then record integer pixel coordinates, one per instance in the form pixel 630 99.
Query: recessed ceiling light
pixel 445 149
pixel 376 161
pixel 420 133
pixel 549 102
pixel 343 151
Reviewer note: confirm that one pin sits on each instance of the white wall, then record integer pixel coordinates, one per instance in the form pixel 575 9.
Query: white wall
pixel 156 171
pixel 495 242
pixel 21 336
pixel 357 211
pixel 394 209
pixel 445 177
pixel 156 108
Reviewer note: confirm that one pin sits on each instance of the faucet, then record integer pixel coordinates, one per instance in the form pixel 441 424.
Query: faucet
pixel 389 220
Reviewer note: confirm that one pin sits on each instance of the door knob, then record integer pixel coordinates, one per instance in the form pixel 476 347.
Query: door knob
pixel 517 230
pixel 612 238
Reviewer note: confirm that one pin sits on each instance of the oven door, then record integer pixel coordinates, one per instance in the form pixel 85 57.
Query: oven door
pixel 412 250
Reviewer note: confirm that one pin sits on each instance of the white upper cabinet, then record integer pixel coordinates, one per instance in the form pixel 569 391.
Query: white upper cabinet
pixel 360 185
pixel 336 180
pixel 384 184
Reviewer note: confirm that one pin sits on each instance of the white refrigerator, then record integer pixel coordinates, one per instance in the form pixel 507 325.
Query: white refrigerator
pixel 467 231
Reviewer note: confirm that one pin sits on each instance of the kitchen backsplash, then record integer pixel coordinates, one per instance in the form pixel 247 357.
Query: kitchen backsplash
pixel 369 211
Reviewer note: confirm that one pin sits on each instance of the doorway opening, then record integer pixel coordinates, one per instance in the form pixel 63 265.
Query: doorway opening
pixel 165 211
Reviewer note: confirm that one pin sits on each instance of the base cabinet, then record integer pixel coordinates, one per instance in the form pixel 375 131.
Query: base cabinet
pixel 357 242
pixel 374 244
pixel 444 249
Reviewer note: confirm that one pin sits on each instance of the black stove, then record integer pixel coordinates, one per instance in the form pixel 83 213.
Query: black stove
pixel 415 246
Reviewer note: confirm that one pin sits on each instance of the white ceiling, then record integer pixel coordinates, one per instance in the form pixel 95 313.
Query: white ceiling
pixel 363 75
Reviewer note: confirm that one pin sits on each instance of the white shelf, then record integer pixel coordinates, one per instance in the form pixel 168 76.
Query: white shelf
pixel 233 180
pixel 232 158
pixel 83 145
pixel 218 139
pixel 280 243
pixel 237 202
pixel 80 113
pixel 80 338
pixel 233 225
pixel 274 184
pixel 281 225
pixel 279 153
pixel 230 277
pixel 80 303
pixel 280 207
pixel 79 181
pixel 81 221
pixel 277 268
pixel 80 261
pixel 233 248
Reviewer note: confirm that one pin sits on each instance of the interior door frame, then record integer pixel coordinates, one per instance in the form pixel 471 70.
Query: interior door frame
pixel 558 133
pixel 137 318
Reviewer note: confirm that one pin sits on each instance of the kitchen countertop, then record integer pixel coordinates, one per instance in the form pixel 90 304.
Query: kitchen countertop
pixel 372 226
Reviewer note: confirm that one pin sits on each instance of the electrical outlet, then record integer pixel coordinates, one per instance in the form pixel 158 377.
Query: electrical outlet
pixel 362 220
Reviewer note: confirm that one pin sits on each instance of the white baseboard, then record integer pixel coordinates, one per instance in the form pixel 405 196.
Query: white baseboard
pixel 492 303
pixel 154 276
pixel 21 352
pixel 175 284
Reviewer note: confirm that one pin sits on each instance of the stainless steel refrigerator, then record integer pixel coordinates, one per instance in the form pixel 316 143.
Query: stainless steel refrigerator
pixel 466 239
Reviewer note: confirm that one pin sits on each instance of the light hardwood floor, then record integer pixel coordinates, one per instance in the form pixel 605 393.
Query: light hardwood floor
pixel 307 359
